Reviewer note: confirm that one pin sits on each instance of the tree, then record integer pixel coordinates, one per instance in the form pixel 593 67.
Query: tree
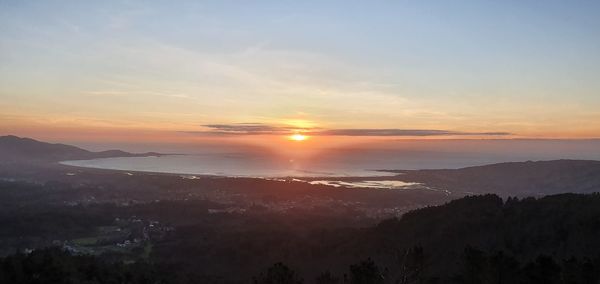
pixel 279 273
pixel 327 278
pixel 412 266
pixel 366 272
pixel 474 266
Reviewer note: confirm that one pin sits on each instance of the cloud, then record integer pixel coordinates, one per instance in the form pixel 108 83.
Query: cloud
pixel 400 132
pixel 267 129
pixel 138 93
pixel 247 129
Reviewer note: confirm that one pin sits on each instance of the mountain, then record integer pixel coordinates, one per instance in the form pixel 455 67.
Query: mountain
pixel 478 239
pixel 563 227
pixel 483 237
pixel 17 149
pixel 515 178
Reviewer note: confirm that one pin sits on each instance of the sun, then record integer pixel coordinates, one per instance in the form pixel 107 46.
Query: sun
pixel 297 137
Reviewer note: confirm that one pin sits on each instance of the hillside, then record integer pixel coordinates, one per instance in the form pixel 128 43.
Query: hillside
pixel 480 239
pixel 560 226
pixel 515 179
pixel 440 242
pixel 17 149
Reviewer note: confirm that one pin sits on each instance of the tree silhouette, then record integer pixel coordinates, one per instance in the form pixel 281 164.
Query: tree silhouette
pixel 279 273
pixel 366 272
pixel 327 278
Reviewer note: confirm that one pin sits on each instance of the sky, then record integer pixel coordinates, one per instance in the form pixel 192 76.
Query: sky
pixel 209 70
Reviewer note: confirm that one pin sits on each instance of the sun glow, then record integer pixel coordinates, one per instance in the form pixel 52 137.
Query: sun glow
pixel 298 137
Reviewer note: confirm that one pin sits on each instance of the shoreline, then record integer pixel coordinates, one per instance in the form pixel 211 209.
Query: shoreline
pixel 309 177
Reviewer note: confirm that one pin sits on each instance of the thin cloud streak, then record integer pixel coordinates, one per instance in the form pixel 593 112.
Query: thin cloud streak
pixel 246 129
pixel 400 132
pixel 266 129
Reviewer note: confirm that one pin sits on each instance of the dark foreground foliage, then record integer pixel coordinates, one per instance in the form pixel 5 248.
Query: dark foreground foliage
pixel 54 265
pixel 480 239
pixel 477 267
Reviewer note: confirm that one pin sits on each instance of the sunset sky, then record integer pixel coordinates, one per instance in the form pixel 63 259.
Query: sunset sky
pixel 156 70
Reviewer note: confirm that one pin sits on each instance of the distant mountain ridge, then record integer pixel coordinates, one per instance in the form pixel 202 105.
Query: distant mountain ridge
pixel 515 178
pixel 531 178
pixel 19 149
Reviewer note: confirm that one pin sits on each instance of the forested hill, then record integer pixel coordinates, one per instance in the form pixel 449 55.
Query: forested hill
pixel 516 178
pixel 17 149
pixel 480 239
pixel 489 239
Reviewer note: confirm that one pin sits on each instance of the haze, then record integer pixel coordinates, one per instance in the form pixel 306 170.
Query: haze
pixel 118 72
pixel 292 142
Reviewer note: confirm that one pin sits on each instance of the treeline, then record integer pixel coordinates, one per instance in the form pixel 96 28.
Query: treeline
pixel 479 239
pixel 477 267
pixel 54 265
pixel 561 227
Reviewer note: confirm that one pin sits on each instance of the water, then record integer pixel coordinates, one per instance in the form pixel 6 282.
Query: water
pixel 379 184
pixel 354 161
pixel 228 165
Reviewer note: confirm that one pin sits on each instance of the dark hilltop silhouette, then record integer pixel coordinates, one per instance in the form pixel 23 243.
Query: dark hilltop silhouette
pixel 17 149
pixel 64 224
